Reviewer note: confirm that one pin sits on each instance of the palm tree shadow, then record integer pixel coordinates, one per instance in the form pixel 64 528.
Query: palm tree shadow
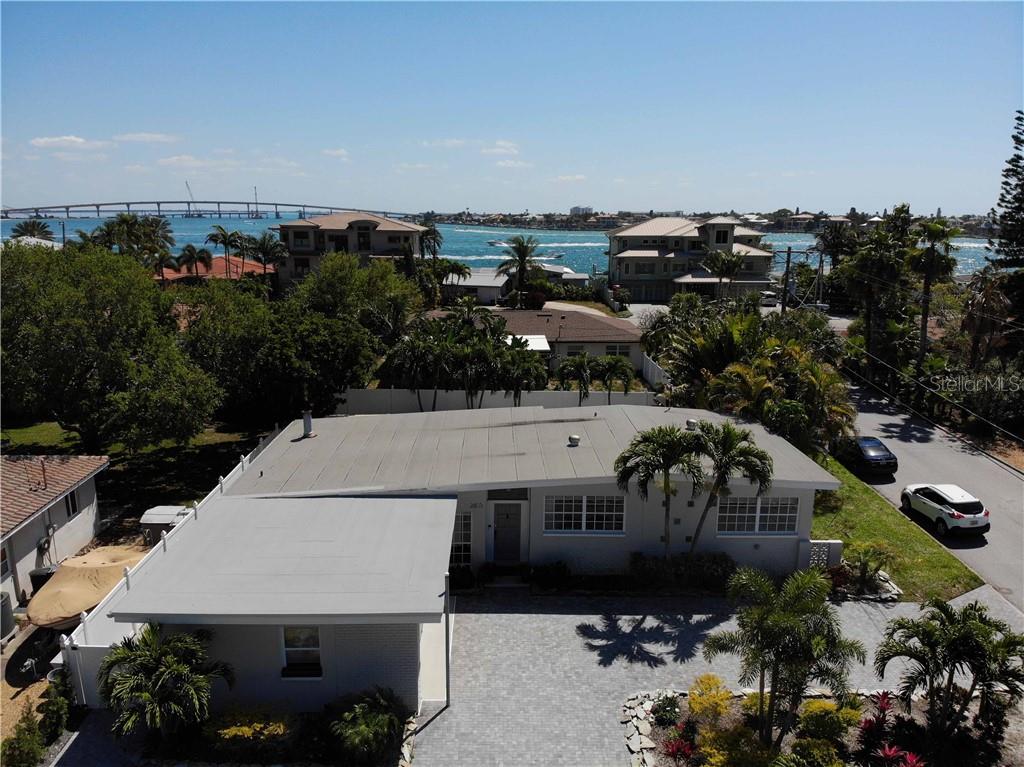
pixel 684 633
pixel 621 639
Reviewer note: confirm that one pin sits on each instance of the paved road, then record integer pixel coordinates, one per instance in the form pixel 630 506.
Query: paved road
pixel 927 454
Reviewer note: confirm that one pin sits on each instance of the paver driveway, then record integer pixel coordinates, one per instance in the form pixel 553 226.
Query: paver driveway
pixel 541 680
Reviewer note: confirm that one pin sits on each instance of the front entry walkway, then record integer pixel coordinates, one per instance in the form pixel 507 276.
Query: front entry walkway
pixel 541 680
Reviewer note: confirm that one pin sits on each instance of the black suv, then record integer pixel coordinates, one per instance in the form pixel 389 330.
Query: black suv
pixel 868 455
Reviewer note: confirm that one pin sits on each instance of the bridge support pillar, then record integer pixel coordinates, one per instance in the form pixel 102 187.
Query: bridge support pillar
pixel 67 212
pixel 158 209
pixel 277 213
pixel 128 207
pixel 218 210
pixel 97 211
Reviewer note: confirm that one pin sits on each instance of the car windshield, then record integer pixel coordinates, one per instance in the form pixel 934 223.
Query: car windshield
pixel 968 507
pixel 873 451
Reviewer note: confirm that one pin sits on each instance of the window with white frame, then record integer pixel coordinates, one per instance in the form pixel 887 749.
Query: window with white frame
pixel 301 652
pixel 617 350
pixel 757 516
pixel 71 504
pixel 584 514
pixel 462 539
pixel 5 566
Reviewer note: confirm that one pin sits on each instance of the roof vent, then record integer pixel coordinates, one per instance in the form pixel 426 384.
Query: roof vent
pixel 574 440
pixel 691 424
pixel 307 425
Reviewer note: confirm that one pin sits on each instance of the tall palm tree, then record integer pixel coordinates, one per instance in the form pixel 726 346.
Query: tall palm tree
pixel 611 368
pixel 655 454
pixel 724 265
pixel 933 262
pixel 155 234
pixel 522 370
pixel 986 304
pixel 228 241
pixel 946 642
pixel 836 242
pixel 522 257
pixel 32 227
pixel 787 636
pixel 164 260
pixel 159 682
pixel 191 257
pixel 269 250
pixel 731 452
pixel 579 368
pixel 431 240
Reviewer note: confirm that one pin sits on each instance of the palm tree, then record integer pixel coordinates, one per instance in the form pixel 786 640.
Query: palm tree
pixel 947 641
pixel 724 265
pixel 933 262
pixel 159 682
pixel 431 240
pixel 32 227
pixel 836 241
pixel 522 370
pixel 191 257
pixel 611 368
pixel 164 260
pixel 521 259
pixel 787 636
pixel 155 234
pixel 227 240
pixel 655 454
pixel 732 452
pixel 985 306
pixel 744 389
pixel 579 368
pixel 269 250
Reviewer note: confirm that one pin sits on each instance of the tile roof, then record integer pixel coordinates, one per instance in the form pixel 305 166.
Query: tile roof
pixel 569 326
pixel 343 219
pixel 26 489
pixel 723 220
pixel 219 270
pixel 662 226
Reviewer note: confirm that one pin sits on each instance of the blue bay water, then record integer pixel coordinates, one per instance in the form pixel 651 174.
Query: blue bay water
pixel 581 251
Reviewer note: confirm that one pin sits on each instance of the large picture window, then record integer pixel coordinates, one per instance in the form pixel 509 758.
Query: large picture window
pixel 584 514
pixel 301 652
pixel 462 539
pixel 757 516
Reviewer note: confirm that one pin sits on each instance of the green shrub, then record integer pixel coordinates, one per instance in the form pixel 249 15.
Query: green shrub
pixel 551 576
pixel 665 710
pixel 734 747
pixel 816 753
pixel 24 748
pixel 54 712
pixel 371 726
pixel 460 578
pixel 825 720
pixel 710 571
pixel 251 734
pixel 708 699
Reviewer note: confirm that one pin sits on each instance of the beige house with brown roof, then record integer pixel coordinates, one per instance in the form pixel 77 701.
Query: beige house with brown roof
pixel 48 512
pixel 665 255
pixel 365 234
pixel 570 333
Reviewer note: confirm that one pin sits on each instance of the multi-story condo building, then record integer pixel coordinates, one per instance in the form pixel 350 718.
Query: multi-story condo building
pixel 581 210
pixel 367 235
pixel 665 255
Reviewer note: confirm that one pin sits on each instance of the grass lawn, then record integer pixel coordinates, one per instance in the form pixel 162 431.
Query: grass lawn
pixel 159 474
pixel 603 308
pixel 855 513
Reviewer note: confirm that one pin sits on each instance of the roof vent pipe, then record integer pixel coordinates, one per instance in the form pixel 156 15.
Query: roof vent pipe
pixel 574 440
pixel 307 424
pixel 691 424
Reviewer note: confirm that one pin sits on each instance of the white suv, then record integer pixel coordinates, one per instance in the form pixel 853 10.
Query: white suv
pixel 949 507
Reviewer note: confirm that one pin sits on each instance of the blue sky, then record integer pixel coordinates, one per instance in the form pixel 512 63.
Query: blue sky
pixel 512 106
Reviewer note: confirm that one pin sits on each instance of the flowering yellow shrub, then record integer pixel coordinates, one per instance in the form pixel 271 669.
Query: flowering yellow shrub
pixel 708 698
pixel 735 747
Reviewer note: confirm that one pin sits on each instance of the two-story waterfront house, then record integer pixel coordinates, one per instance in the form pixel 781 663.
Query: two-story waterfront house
pixel 309 239
pixel 665 255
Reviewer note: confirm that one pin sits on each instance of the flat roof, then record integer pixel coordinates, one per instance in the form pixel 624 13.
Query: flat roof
pixel 294 560
pixel 460 450
pixel 478 278
pixel 534 343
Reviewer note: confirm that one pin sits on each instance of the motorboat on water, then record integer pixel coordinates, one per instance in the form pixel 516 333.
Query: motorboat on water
pixel 498 243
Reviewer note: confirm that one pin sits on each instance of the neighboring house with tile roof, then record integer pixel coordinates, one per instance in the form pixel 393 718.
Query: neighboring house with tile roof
pixel 229 268
pixel 47 513
pixel 309 239
pixel 665 255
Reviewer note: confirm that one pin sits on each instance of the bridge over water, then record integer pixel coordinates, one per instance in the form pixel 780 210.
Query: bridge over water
pixel 186 209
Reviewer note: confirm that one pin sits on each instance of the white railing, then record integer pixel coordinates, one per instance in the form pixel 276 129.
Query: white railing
pixel 378 401
pixel 86 646
pixel 653 373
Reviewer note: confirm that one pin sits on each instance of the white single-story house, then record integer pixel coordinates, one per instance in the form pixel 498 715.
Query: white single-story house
pixel 321 563
pixel 47 513
pixel 485 285
pixel 572 332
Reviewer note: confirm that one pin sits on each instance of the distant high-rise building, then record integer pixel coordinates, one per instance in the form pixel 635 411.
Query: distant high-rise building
pixel 581 210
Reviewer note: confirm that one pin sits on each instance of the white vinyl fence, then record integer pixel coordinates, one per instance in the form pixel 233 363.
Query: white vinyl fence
pixel 653 372
pixel 370 401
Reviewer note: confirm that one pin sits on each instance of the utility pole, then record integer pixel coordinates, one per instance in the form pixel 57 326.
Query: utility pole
pixel 785 280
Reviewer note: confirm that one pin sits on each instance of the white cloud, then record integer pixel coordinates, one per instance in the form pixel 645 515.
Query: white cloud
pixel 444 143
pixel 513 164
pixel 404 166
pixel 501 147
pixel 570 178
pixel 136 168
pixel 148 138
pixel 341 154
pixel 68 142
pixel 78 156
